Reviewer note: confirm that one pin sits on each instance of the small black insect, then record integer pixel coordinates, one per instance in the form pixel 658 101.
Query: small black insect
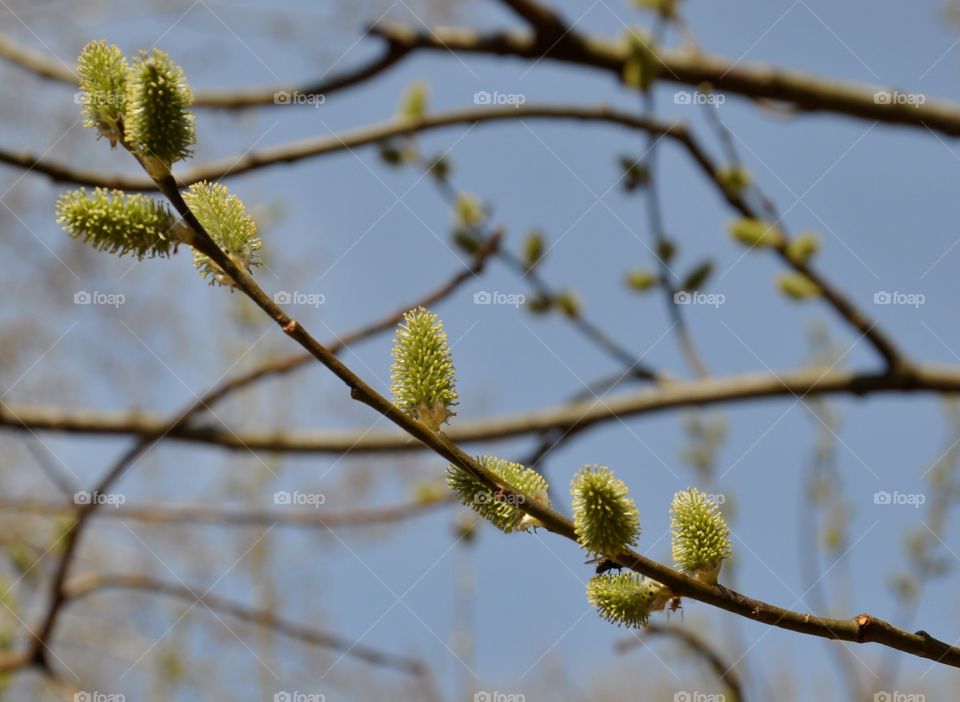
pixel 605 564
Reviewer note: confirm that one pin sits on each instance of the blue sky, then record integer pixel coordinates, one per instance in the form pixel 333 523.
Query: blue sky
pixel 367 237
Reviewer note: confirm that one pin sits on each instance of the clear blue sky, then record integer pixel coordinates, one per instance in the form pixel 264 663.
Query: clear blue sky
pixel 882 198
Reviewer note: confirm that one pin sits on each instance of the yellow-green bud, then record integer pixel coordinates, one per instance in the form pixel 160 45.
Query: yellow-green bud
pixel 626 599
pixel 642 66
pixel 423 375
pixel 103 88
pixel 606 520
pixel 225 219
pixel 701 539
pixel 734 179
pixel 112 221
pixel 803 246
pixel 414 104
pixel 533 249
pixel 798 286
pixel 503 511
pixel 157 122
pixel 641 279
pixel 469 211
pixel 754 232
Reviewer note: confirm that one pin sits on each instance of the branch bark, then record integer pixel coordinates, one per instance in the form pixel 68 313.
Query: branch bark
pixel 575 416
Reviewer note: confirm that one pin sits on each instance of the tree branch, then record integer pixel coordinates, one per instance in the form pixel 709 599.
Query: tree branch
pixel 87 585
pixel 698 645
pixel 801 91
pixel 320 146
pixel 575 416
pixel 53 69
pixel 213 515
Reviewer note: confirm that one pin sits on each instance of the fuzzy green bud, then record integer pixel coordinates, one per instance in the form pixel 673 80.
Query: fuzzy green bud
pixel 701 538
pixel 158 122
pixel 503 511
pixel 414 103
pixel 606 520
pixel 533 249
pixel 423 373
pixel 803 246
pixel 569 303
pixel 469 212
pixel 756 233
pixel 626 599
pixel 797 286
pixel 642 66
pixel 112 221
pixel 103 88
pixel 641 279
pixel 225 219
pixel 734 179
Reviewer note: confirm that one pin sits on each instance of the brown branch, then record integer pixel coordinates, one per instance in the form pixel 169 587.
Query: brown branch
pixel 860 629
pixel 575 416
pixel 209 514
pixel 50 68
pixel 146 442
pixel 546 23
pixel 885 346
pixel 85 586
pixel 698 645
pixel 320 146
pixel 802 91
